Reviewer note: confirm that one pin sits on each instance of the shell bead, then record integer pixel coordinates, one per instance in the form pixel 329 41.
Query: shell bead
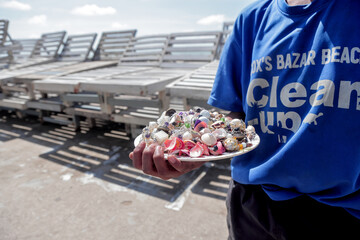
pixel 161 136
pixel 209 139
pixel 205 113
pixel 231 144
pixel 204 119
pixel 187 136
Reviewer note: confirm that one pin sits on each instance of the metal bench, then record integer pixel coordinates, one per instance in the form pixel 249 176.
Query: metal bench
pixel 7 45
pixel 112 46
pixel 46 49
pixel 77 48
pixel 194 88
pixel 137 98
pixel 143 53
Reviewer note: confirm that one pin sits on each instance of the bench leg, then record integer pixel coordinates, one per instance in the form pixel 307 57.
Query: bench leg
pixel 104 102
pixel 128 129
pixel 76 122
pixel 30 91
pixel 91 122
pixel 42 114
pixel 20 114
pixel 187 107
pixel 164 101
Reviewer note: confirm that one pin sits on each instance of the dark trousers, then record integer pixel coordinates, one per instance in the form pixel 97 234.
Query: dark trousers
pixel 252 215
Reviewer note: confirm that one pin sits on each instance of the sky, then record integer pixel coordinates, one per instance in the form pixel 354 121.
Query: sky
pixel 29 19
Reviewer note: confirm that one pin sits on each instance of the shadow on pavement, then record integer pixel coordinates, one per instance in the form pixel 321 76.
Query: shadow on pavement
pixel 216 181
pixel 102 153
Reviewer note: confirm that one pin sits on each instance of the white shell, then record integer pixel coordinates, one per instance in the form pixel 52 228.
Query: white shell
pixel 231 144
pixel 250 129
pixel 205 113
pixel 188 119
pixel 204 119
pixel 237 123
pixel 220 133
pixel 205 130
pixel 161 136
pixel 187 136
pixel 209 139
pixel 161 121
pixel 152 126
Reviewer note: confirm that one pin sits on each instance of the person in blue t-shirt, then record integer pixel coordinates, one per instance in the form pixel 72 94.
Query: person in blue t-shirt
pixel 290 68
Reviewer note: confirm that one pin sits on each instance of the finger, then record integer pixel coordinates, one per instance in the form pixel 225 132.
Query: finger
pixel 175 163
pixel 137 155
pixel 196 164
pixel 184 167
pixel 148 166
pixel 161 164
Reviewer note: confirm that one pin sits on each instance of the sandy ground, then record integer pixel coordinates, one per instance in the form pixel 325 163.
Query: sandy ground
pixel 59 184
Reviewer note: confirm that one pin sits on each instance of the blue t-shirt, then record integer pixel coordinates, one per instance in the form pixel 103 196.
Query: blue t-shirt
pixel 295 72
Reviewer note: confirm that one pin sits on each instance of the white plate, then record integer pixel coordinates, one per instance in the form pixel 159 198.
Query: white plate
pixel 225 155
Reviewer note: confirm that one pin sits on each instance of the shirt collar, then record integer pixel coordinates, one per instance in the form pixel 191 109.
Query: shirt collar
pixel 301 9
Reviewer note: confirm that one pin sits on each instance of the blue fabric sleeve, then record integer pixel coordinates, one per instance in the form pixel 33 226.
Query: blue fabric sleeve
pixel 226 92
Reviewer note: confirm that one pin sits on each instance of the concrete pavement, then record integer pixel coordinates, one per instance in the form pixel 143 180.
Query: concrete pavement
pixel 59 184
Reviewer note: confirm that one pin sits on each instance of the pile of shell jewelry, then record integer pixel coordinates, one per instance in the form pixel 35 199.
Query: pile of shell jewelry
pixel 198 132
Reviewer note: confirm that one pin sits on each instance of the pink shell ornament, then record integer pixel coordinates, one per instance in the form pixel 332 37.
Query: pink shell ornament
pixel 197 151
pixel 200 126
pixel 218 149
pixel 175 144
pixel 188 144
